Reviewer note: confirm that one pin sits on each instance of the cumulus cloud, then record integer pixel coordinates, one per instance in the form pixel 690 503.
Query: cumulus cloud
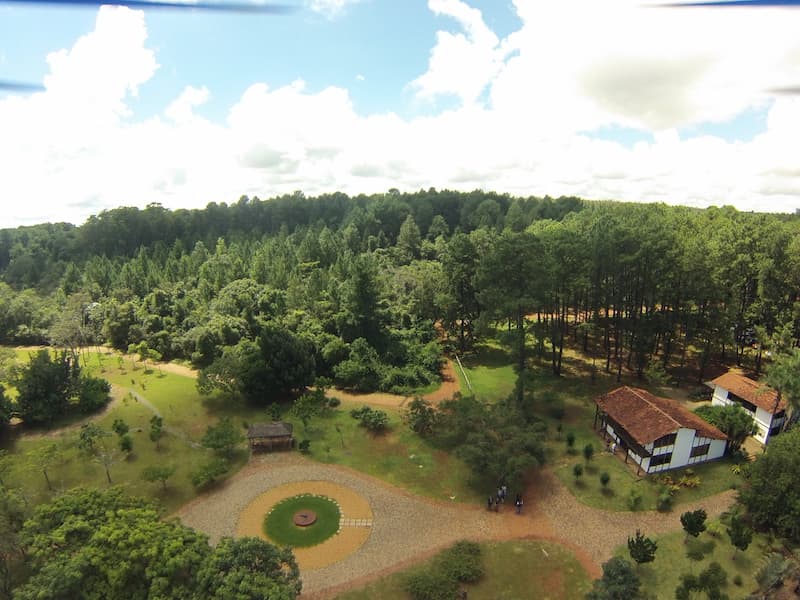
pixel 527 105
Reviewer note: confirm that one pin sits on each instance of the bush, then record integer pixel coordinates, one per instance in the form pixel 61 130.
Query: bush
pixel 737 580
pixel 635 499
pixel 665 500
pixel 334 402
pixel 604 479
pixel 431 585
pixel 373 420
pixel 462 562
pixel 208 473
pixel 420 416
pixel 304 446
pixel 126 443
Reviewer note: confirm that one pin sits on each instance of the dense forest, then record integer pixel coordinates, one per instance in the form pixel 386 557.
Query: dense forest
pixel 359 290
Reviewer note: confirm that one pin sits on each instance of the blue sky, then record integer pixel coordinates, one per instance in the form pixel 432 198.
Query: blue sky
pixel 600 98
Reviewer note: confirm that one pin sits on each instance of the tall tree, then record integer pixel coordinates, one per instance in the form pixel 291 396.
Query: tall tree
pixel 772 496
pixel 509 278
pixel 249 569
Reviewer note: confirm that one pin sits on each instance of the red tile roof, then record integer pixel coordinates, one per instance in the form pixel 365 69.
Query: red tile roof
pixel 752 391
pixel 647 417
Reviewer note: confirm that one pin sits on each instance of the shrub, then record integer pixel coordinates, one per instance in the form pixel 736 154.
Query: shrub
pixel 772 572
pixel 334 402
pixel 376 421
pixel 126 443
pixel 570 441
pixel 304 446
pixel 635 499
pixel 664 500
pixel 737 580
pixel 373 420
pixel 714 529
pixel 604 479
pixel 431 585
pixel 462 562
pixel 208 473
pixel 577 471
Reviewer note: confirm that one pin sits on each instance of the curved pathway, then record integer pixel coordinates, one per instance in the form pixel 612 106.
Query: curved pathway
pixel 445 391
pixel 407 528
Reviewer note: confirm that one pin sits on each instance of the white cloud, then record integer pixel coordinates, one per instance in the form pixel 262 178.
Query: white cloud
pixel 526 102
pixel 461 64
pixel 330 8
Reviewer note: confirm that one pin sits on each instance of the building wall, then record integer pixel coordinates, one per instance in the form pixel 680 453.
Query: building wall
pixel 762 417
pixel 680 452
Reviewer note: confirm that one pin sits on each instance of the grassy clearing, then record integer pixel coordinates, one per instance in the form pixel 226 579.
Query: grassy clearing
pixel 280 528
pixel 662 576
pixel 399 456
pixel 514 569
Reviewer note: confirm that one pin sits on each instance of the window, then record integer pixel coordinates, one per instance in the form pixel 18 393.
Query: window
pixel 700 450
pixel 748 406
pixel 661 459
pixel 666 440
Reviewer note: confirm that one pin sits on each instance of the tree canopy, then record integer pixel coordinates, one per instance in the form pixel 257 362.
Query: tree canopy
pixel 772 496
pixel 92 544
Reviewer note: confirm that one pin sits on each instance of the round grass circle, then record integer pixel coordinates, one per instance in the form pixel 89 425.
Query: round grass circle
pixel 280 527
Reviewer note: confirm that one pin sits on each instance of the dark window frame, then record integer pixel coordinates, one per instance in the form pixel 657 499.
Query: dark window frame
pixel 701 450
pixel 659 459
pixel 665 440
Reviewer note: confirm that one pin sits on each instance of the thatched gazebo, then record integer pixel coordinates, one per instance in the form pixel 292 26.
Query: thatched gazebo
pixel 269 436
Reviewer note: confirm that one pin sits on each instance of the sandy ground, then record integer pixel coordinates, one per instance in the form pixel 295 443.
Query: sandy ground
pixel 355 515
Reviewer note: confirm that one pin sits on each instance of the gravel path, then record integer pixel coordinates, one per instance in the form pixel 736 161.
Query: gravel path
pixel 407 528
pixel 598 531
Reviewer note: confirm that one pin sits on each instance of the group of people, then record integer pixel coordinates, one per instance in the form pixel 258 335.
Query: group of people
pixel 494 502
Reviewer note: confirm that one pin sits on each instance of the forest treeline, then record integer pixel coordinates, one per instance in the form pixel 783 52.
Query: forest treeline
pixel 358 289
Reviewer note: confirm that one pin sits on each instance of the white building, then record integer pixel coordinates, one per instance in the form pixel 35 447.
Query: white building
pixel 760 402
pixel 656 433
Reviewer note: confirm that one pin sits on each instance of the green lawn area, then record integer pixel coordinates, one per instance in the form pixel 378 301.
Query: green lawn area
pixel 662 576
pixel 280 527
pixel 514 569
pixel 398 456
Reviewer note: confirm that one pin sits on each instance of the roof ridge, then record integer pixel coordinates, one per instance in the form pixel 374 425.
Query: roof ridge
pixel 658 408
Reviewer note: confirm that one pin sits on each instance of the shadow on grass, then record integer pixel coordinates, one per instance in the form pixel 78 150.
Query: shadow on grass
pixel 486 356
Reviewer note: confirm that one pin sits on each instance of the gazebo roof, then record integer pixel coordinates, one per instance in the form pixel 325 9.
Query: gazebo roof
pixel 276 429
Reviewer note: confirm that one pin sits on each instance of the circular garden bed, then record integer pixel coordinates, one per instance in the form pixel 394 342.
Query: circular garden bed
pixel 280 523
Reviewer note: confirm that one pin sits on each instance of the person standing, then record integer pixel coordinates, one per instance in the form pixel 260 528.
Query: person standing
pixel 518 504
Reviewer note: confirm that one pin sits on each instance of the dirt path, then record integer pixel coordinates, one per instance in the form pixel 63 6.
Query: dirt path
pixel 407 528
pixel 449 387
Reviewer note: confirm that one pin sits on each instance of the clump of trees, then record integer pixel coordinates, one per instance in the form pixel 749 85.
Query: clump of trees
pixel 772 496
pixel 497 441
pixel 731 420
pixel 51 386
pixel 73 546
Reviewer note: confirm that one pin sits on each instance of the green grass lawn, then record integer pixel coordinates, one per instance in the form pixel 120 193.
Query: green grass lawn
pixel 662 576
pixel 398 456
pixel 280 527
pixel 514 570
